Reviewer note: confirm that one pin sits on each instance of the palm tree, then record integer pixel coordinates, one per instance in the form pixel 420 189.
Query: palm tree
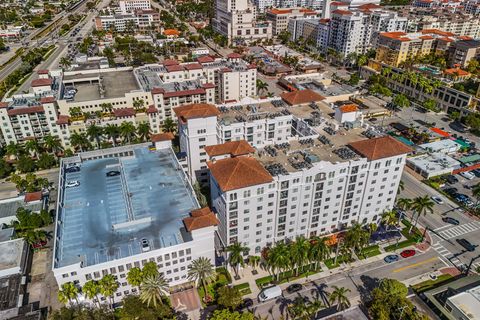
pixel 389 218
pixel 94 133
pixel 65 62
pixel 14 149
pixel 339 295
pixel 404 204
pixel 135 276
pixel 68 292
pixel 261 86
pixel 108 286
pixel 79 141
pixel 401 101
pixel 299 253
pixel 33 147
pixel 422 205
pixel 112 132
pixel 356 237
pixel 169 125
pixel 106 107
pixel 138 104
pixel 278 258
pixel 201 271
pixel 235 258
pixel 319 250
pixel 52 144
pixel 153 288
pixel 91 290
pixel 127 131
pixel 253 262
pixel 401 186
pixel 143 131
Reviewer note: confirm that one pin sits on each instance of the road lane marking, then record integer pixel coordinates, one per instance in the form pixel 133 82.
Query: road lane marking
pixel 415 264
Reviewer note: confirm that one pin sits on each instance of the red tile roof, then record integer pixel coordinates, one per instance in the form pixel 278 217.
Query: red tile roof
pixel 33 196
pixel 171 32
pixel 184 93
pixel 196 110
pixel 169 62
pixel 397 35
pixel 42 71
pixel 439 32
pixel 193 66
pixel 152 109
pixel 426 37
pixel 440 132
pixel 63 119
pixel 233 148
pixel 239 172
pixel 174 68
pixel 47 100
pixel 234 55
pixel 3 105
pixel 200 218
pixel 124 112
pixel 465 38
pixel 158 91
pixel 208 85
pixel 456 71
pixel 18 111
pixel 369 6
pixel 166 136
pixel 348 108
pixel 226 69
pixel 343 12
pixel 446 39
pixel 41 82
pixel 338 3
pixel 205 59
pixel 301 97
pixel 379 148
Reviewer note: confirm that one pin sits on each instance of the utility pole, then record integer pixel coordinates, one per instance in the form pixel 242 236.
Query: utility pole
pixel 470 264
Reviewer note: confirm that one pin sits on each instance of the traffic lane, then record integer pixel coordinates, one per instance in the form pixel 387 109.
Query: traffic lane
pixel 457 251
pixel 358 279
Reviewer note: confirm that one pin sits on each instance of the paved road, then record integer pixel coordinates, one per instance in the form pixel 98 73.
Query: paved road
pixel 359 280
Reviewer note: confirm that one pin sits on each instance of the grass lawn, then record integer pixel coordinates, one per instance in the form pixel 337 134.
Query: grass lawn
pixel 414 237
pixel 330 262
pixel 243 288
pixel 223 278
pixel 429 284
pixel 369 252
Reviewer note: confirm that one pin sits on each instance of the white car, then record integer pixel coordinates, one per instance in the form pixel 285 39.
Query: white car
pixel 71 184
pixel 437 199
pixel 467 175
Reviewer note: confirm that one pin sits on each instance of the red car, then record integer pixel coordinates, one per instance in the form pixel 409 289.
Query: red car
pixel 407 253
pixel 39 244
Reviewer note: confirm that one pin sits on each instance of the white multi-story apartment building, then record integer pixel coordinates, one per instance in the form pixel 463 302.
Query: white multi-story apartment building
pixel 353 30
pixel 262 5
pixel 237 20
pixel 306 191
pixel 133 5
pixel 281 17
pixel 473 7
pixel 140 19
pixel 110 224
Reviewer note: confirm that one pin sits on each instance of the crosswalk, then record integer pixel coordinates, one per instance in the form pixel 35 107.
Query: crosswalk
pixel 457 231
pixel 446 254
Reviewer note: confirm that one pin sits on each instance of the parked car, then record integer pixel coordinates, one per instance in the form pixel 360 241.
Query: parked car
pixel 71 184
pixel 72 169
pixel 466 244
pixel 246 303
pixel 476 172
pixel 437 199
pixel 145 245
pixel 407 253
pixel 451 220
pixel 452 179
pixel 391 258
pixel 113 173
pixel 294 287
pixel 269 293
pixel 467 175
pixel 451 191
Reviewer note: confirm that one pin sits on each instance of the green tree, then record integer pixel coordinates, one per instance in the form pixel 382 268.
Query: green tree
pixel 201 271
pixel 112 132
pixel 319 250
pixel 169 125
pixel 65 63
pixel 127 131
pixel 33 147
pixel 52 144
pixel 82 311
pixel 339 296
pixel 421 206
pixel 134 309
pixel 226 314
pixel 79 141
pixel 95 133
pixel 229 297
pixel 261 86
pixel 253 262
pixel 389 218
pixel 91 290
pixel 354 79
pixel 25 164
pixel 430 105
pixel 5 169
pixel 46 161
pixel 108 286
pixel 150 269
pixel 235 256
pixel 472 120
pixel 143 131
pixel 299 253
pixel 401 101
pixel 67 293
pixel 135 276
pixel 152 289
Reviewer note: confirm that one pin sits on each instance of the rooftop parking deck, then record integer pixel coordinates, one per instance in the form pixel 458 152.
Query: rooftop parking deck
pixel 106 218
pixel 251 112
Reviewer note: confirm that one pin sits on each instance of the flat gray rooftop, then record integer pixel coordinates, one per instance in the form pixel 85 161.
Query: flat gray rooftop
pixel 9 209
pixel 106 218
pixel 115 84
pixel 11 253
pixel 334 89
